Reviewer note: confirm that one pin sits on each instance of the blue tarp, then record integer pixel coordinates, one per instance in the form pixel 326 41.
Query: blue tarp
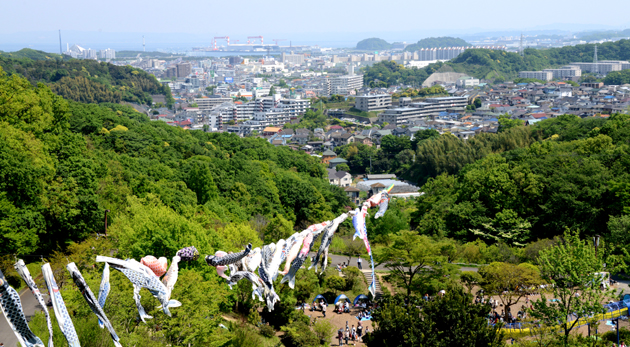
pixel 359 297
pixel 341 297
pixel 320 297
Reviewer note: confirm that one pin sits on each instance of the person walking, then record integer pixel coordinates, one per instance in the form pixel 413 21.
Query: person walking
pixel 347 334
pixel 324 309
pixel 359 263
pixel 353 333
pixel 359 331
pixel 340 336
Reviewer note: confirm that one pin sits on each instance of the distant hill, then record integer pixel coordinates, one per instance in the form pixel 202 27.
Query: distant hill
pixel 497 65
pixel 373 44
pixel 86 81
pixel 30 54
pixel 602 35
pixel 437 42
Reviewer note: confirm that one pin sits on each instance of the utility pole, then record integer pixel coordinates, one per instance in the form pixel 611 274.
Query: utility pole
pixel 106 222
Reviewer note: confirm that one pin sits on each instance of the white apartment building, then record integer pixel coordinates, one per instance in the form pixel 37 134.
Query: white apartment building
pixel 565 72
pixel 274 117
pixel 297 59
pixel 603 67
pixel 267 103
pixel 107 54
pixel 431 107
pixel 343 85
pixel 467 82
pixel 539 75
pixel 295 106
pixel 370 103
pixel 210 103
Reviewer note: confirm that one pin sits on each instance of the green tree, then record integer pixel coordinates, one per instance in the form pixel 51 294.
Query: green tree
pixel 506 122
pixel 411 259
pixel 453 320
pixel 509 282
pixel 272 91
pixel 200 181
pixel 573 269
pixel 470 279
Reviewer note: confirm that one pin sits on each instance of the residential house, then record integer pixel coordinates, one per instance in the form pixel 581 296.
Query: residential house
pixel 339 178
pixel 336 161
pixel 353 194
pixel 363 140
pixel 327 156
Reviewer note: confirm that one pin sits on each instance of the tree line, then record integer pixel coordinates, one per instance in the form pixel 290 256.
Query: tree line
pixel 88 80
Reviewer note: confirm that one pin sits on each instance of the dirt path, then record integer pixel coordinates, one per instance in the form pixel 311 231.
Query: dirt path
pixel 339 320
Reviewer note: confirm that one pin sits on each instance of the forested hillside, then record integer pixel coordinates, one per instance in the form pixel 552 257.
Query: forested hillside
pixel 437 42
pixel 373 44
pixel 516 186
pixel 64 163
pixel 30 54
pixel 87 80
pixel 498 65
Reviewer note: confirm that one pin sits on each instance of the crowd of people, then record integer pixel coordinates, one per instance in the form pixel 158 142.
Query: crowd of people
pixel 351 335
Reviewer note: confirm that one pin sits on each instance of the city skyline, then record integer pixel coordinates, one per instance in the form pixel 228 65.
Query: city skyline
pixel 121 25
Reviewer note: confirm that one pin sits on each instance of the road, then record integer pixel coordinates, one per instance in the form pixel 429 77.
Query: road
pixel 338 259
pixel 30 306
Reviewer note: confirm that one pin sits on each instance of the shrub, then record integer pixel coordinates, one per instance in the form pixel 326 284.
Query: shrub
pixel 267 331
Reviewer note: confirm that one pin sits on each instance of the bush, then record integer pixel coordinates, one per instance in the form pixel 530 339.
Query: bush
pixel 336 283
pixel 352 277
pixel 267 331
pixel 624 335
pixel 324 330
pixel 299 334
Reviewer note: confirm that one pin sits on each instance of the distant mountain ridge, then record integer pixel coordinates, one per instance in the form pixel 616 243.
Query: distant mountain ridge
pixel 30 54
pixel 437 42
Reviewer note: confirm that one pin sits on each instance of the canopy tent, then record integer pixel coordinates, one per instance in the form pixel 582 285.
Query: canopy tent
pixel 321 297
pixel 341 297
pixel 360 297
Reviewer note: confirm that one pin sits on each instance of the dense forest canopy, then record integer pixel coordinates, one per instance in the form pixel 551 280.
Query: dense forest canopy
pixel 437 42
pixel 63 163
pixel 501 65
pixel 89 80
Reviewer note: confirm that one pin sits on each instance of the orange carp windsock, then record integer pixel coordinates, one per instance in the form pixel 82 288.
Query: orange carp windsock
pixel 158 266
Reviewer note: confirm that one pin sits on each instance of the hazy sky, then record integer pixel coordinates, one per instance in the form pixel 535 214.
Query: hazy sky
pixel 247 17
pixel 337 23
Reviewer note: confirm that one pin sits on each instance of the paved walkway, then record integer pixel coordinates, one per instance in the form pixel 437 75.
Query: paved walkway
pixel 30 306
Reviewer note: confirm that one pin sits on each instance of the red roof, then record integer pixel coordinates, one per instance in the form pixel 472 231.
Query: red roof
pixel 336 127
pixel 185 122
pixel 539 115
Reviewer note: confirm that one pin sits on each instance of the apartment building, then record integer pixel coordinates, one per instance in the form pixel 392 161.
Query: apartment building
pixel 431 107
pixel 539 75
pixel 297 59
pixel 370 103
pixel 603 67
pixel 295 106
pixel 274 117
pixel 343 85
pixel 183 70
pixel 211 102
pixel 565 72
